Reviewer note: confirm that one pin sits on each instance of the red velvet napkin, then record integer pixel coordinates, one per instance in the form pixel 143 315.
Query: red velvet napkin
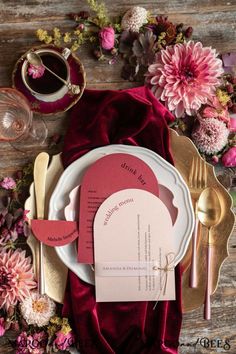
pixel 132 117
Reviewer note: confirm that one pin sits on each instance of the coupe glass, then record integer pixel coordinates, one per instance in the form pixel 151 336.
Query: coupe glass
pixel 17 125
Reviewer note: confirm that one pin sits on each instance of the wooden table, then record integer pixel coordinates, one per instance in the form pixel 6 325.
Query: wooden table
pixel 214 24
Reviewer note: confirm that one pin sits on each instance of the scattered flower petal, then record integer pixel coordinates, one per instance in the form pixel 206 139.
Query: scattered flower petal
pixel 36 71
pixel 8 183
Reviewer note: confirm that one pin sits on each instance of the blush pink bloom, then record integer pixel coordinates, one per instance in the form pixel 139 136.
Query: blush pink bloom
pixel 107 38
pixel 8 183
pixel 36 71
pixel 216 110
pixel 64 341
pixel 16 277
pixel 2 326
pixel 22 343
pixel 185 76
pixel 210 136
pixel 38 342
pixel 32 344
pixel 229 158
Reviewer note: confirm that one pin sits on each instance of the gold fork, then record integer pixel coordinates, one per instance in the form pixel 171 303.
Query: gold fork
pixel 197 182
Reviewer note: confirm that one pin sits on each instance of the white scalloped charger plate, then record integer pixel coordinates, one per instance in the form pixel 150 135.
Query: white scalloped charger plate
pixel 166 175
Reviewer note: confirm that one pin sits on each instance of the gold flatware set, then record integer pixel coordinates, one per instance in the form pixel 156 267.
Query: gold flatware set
pixel 49 269
pixel 184 151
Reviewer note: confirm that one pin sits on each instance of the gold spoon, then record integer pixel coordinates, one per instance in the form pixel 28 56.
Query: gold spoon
pixel 35 59
pixel 209 213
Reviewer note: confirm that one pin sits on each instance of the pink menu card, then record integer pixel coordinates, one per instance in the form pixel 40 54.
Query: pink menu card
pixel 133 244
pixel 106 176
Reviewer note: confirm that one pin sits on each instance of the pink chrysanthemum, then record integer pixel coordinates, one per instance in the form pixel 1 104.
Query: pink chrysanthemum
pixel 210 136
pixel 134 19
pixel 185 76
pixel 16 277
pixel 37 309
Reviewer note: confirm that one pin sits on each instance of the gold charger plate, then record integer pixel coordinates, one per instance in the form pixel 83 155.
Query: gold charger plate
pixel 183 151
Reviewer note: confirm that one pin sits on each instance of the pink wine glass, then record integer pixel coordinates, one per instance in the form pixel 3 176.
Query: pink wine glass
pixel 17 125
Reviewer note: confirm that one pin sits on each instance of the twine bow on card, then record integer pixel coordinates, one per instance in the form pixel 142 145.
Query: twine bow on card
pixel 170 266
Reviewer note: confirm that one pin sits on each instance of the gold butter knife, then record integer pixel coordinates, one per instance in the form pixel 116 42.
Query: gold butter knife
pixel 40 172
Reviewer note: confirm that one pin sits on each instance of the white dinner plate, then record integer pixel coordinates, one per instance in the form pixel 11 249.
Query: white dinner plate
pixel 166 175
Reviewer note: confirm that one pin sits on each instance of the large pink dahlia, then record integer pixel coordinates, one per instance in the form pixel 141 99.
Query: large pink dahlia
pixel 185 76
pixel 16 277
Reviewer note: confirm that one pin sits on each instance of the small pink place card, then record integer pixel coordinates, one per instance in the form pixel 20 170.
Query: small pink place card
pixel 133 245
pixel 104 177
pixel 54 232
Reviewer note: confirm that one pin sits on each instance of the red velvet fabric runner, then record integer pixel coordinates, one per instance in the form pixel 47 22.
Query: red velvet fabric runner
pixel 131 117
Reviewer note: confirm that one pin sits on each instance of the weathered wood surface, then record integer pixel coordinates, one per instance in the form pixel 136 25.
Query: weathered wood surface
pixel 214 23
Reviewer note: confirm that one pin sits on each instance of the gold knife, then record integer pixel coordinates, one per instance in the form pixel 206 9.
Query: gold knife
pixel 40 172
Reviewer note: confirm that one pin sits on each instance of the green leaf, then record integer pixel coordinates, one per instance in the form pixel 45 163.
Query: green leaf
pixel 233 195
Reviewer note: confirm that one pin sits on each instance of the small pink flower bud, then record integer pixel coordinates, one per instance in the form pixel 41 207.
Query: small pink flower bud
pixel 189 32
pixel 215 159
pixel 15 326
pixel 81 27
pixel 114 51
pixel 97 53
pixel 233 108
pixel 230 88
pixel 11 311
pixel 19 174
